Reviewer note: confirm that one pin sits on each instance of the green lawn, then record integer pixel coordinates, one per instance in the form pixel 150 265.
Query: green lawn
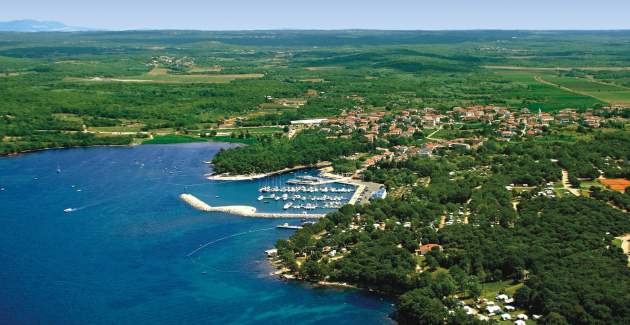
pixel 491 289
pixel 234 140
pixel 252 130
pixel 173 138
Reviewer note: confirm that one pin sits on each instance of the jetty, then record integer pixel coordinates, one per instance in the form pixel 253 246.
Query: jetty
pixel 242 210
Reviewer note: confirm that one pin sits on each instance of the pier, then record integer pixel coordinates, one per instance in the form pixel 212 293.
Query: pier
pixel 242 210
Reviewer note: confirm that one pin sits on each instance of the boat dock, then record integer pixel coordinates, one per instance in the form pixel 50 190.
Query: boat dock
pixel 242 210
pixel 288 226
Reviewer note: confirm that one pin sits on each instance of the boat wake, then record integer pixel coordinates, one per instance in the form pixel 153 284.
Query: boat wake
pixel 224 238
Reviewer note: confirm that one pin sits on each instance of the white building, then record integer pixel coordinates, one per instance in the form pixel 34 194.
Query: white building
pixel 311 122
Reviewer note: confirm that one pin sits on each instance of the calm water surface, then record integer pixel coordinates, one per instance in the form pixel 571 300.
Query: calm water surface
pixel 120 258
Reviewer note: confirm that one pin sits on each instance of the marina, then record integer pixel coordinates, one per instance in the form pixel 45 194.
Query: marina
pixel 243 210
pixel 303 191
pixel 310 189
pixel 308 193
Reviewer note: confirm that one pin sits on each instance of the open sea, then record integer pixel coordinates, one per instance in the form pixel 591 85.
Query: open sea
pixel 121 256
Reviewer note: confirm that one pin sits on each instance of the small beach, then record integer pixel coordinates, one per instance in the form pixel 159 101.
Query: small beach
pixel 227 177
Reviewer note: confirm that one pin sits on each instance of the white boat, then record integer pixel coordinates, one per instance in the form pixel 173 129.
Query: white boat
pixel 288 205
pixel 260 198
pixel 68 210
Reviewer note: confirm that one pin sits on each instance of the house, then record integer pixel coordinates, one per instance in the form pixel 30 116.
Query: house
pixel 506 316
pixel 502 297
pixel 469 310
pixel 311 122
pixel 592 122
pixel 520 322
pixel 379 226
pixel 493 309
pixel 459 145
pixel 522 316
pixel 423 249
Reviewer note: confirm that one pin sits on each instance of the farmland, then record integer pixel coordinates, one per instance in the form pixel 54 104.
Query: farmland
pixel 151 81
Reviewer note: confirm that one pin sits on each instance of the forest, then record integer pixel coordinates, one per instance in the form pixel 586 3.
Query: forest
pixel 556 253
pixel 307 148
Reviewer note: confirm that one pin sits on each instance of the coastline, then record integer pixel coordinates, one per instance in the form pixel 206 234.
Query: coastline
pixel 133 144
pixel 283 273
pixel 16 154
pixel 249 177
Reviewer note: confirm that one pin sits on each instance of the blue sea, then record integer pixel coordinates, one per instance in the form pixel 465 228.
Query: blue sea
pixel 121 257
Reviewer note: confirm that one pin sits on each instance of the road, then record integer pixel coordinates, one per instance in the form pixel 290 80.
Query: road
pixel 430 136
pixel 566 185
pixel 625 245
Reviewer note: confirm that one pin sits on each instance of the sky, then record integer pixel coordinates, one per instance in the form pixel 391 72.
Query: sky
pixel 325 14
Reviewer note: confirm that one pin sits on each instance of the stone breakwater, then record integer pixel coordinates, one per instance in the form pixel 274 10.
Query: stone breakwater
pixel 241 210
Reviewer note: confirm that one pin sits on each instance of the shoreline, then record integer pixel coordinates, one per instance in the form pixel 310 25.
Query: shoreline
pixel 10 155
pixel 249 177
pixel 67 147
pixel 281 272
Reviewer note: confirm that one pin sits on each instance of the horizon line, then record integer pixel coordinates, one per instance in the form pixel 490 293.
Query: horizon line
pixel 92 30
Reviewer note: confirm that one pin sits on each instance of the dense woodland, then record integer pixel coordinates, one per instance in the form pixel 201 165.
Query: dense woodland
pixel 307 148
pixel 558 251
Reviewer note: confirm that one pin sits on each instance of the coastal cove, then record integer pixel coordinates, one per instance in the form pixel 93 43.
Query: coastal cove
pixel 121 255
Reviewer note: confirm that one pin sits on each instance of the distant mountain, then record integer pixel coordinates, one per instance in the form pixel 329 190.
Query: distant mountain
pixel 28 25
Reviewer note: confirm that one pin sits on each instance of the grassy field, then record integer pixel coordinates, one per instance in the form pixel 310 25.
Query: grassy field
pixel 173 138
pixel 546 96
pixel 234 140
pixel 608 93
pixel 263 130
